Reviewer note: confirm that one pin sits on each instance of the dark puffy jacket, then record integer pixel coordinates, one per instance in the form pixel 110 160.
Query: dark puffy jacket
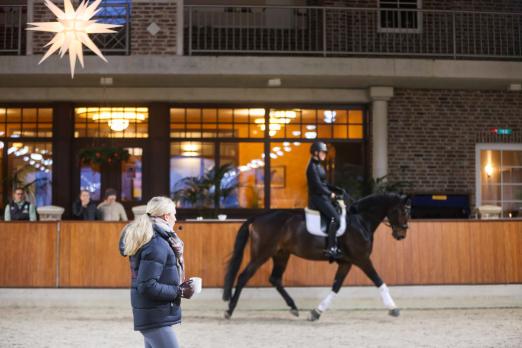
pixel 155 294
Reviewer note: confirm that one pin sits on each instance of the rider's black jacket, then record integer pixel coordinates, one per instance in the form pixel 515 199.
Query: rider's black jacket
pixel 316 176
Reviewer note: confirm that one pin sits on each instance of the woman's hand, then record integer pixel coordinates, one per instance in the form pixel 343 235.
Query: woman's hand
pixel 332 195
pixel 187 289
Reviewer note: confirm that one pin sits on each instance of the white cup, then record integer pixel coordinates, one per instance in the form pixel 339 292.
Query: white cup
pixel 198 284
pixel 222 217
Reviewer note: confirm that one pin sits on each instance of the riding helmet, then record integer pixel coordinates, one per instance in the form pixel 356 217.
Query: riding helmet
pixel 318 146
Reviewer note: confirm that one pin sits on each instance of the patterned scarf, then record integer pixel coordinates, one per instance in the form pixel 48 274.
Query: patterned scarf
pixel 175 243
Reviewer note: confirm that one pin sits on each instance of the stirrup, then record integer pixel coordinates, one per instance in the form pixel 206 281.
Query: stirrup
pixel 334 253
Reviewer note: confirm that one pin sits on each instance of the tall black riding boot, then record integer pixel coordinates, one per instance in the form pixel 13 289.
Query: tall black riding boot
pixel 331 250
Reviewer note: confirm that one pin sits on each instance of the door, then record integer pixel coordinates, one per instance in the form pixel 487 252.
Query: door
pixel 116 164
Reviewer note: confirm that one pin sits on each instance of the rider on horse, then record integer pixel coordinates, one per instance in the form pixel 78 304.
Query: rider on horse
pixel 321 196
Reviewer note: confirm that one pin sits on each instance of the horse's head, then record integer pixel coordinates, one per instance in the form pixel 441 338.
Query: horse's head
pixel 398 216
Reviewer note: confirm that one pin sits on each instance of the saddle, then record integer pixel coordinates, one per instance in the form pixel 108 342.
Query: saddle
pixel 316 224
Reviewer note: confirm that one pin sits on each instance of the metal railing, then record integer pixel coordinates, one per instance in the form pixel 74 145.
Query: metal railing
pixel 12 29
pixel 340 31
pixel 116 43
pixel 13 19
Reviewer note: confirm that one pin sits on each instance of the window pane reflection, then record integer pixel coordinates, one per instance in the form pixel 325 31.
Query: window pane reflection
pixel 131 175
pixel 30 167
pixel 90 180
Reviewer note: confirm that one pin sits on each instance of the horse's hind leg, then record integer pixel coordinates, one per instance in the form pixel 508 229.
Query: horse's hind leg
pixel 384 292
pixel 242 280
pixel 276 279
pixel 340 276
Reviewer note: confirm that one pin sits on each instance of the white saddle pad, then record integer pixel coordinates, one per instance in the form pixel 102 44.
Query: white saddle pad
pixel 313 222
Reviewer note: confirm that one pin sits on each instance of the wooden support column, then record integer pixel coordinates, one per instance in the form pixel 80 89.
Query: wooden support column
pixel 156 165
pixel 63 134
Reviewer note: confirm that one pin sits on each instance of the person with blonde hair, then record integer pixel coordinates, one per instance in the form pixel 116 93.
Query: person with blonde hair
pixel 156 260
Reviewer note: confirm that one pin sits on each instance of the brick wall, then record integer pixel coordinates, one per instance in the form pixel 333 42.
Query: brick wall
pixel 493 34
pixel 432 135
pixel 161 13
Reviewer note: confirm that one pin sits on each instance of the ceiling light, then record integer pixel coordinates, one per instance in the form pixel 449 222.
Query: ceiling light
pixel 190 153
pixel 311 135
pixel 118 124
pixel 36 156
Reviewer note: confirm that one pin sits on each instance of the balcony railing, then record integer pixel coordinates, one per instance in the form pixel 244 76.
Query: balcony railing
pixel 12 29
pixel 340 31
pixel 13 23
pixel 117 43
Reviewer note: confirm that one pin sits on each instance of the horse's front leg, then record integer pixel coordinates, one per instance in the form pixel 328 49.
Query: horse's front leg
pixel 384 292
pixel 340 275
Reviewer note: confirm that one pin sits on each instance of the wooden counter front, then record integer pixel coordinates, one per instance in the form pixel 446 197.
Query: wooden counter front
pixel 28 254
pixel 434 252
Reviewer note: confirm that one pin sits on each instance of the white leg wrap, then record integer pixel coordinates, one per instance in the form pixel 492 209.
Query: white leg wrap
pixel 386 297
pixel 325 303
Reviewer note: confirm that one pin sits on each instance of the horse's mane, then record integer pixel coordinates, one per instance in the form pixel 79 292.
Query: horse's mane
pixel 375 199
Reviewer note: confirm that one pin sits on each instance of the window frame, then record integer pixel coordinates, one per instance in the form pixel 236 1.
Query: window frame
pixel 267 141
pixel 4 168
pixel 478 183
pixel 400 30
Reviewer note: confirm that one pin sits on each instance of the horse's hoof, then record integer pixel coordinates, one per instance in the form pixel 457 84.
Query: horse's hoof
pixel 228 315
pixel 394 312
pixel 295 312
pixel 314 315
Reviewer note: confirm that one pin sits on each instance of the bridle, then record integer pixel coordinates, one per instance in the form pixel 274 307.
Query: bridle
pixel 404 226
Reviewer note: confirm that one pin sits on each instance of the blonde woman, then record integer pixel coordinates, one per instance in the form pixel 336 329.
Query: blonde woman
pixel 156 259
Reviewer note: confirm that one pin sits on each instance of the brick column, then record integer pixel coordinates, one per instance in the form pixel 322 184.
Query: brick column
pixel 380 97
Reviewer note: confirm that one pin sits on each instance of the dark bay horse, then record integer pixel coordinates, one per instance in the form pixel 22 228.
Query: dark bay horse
pixel 279 234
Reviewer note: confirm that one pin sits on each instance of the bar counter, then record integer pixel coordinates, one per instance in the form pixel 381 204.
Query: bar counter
pixel 85 254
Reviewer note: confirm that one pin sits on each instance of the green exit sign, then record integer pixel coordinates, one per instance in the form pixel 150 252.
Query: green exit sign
pixel 502 131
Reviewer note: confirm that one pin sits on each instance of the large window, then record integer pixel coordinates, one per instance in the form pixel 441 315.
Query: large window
pixel 26 122
pixel 212 174
pixel 219 156
pixel 499 177
pixel 30 167
pixel 251 123
pixel 111 122
pixel 26 152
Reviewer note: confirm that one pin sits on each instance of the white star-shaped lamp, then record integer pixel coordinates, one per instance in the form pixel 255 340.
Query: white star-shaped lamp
pixel 72 29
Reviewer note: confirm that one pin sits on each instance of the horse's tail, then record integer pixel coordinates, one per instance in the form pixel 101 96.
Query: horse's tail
pixel 237 257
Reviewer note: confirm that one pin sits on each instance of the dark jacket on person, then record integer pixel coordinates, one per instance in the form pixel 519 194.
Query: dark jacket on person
pixel 84 213
pixel 19 212
pixel 155 292
pixel 317 184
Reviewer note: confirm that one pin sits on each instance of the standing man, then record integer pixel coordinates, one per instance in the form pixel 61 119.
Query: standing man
pixel 84 208
pixel 320 196
pixel 109 209
pixel 18 209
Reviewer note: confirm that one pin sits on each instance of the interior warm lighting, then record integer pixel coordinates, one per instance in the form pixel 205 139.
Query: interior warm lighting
pixel 190 153
pixel 329 116
pixel 72 29
pixel 311 135
pixel 118 124
pixel 36 156
pixel 489 169
pixel 190 147
pixel 118 119
pixel 283 114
